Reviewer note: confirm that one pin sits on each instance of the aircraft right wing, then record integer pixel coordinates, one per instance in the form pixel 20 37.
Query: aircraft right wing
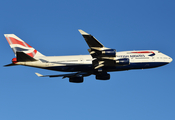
pixel 91 40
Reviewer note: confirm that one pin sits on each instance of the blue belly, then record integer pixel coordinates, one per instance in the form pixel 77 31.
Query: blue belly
pixel 83 67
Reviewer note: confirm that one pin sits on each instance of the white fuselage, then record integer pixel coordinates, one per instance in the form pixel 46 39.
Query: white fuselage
pixel 84 62
pixel 100 61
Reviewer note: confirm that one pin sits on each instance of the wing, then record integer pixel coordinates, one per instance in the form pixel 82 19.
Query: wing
pixel 83 74
pixel 102 55
pixel 91 40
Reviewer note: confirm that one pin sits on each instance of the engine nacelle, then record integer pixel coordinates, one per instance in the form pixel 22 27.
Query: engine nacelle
pixel 103 53
pixel 123 61
pixel 103 76
pixel 109 53
pixel 76 79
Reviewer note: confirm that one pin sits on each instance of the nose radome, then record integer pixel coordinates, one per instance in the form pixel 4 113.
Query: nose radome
pixel 170 60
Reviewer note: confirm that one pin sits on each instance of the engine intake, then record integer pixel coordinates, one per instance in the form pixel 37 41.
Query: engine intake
pixel 103 76
pixel 76 79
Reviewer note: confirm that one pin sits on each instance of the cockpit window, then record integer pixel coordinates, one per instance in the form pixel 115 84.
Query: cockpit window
pixel 159 52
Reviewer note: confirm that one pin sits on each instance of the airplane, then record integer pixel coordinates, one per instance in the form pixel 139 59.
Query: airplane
pixel 100 61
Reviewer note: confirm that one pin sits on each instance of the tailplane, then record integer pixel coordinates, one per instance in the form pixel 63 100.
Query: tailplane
pixel 19 45
pixel 21 57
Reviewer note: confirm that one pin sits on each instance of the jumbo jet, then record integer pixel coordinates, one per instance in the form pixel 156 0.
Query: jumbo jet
pixel 100 61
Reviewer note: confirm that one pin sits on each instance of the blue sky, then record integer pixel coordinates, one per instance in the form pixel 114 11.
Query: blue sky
pixel 52 28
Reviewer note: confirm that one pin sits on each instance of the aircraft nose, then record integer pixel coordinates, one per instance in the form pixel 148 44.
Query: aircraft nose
pixel 170 59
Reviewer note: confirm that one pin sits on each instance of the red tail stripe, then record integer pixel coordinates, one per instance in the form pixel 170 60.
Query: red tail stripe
pixel 32 53
pixel 15 41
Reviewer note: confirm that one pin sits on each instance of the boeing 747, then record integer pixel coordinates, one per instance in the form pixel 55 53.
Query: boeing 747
pixel 100 61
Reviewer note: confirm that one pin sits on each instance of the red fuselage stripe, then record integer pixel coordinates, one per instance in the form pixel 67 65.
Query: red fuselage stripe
pixel 143 52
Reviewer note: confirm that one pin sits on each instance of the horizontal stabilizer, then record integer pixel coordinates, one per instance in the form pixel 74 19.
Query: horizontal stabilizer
pixel 22 57
pixel 12 64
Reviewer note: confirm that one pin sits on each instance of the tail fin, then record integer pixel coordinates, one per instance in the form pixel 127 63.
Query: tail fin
pixel 19 45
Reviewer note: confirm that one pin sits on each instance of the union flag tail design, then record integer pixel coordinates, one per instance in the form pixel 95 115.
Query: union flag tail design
pixel 19 45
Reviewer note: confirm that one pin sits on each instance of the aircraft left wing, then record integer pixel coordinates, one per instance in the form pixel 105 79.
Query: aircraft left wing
pixel 102 55
pixel 66 75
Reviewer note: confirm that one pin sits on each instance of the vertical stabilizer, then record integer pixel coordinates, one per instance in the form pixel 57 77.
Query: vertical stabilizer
pixel 19 45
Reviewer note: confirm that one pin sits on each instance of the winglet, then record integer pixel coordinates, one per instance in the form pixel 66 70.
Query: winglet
pixel 82 32
pixel 39 75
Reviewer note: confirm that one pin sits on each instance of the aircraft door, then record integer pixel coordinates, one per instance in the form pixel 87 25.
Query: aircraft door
pixel 81 60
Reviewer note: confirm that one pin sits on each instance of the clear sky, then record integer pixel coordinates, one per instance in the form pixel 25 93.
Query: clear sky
pixel 51 26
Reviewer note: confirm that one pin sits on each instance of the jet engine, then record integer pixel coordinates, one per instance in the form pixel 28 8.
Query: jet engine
pixel 103 76
pixel 76 79
pixel 123 61
pixel 103 53
pixel 108 53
